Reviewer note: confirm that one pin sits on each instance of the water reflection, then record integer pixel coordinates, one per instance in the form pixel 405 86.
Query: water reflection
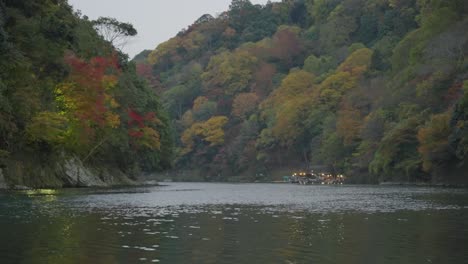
pixel 203 223
pixel 41 192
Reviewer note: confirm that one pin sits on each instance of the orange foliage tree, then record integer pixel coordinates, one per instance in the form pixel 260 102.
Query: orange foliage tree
pixel 141 132
pixel 244 104
pixel 86 98
pixel 349 123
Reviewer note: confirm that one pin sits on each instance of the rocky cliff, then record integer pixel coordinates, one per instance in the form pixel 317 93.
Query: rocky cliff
pixel 69 172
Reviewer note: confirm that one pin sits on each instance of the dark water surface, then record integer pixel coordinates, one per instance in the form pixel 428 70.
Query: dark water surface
pixel 236 223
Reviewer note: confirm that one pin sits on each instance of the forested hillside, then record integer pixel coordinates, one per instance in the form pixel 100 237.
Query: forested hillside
pixel 68 95
pixel 375 89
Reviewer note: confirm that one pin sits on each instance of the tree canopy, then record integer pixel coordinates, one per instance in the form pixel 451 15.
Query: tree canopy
pixel 371 89
pixel 66 92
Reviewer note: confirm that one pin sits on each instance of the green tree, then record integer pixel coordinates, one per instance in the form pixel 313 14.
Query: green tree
pixel 114 31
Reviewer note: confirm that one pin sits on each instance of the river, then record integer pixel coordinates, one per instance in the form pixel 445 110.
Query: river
pixel 235 223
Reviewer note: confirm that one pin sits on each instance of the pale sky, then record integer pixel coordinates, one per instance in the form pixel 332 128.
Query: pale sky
pixel 155 20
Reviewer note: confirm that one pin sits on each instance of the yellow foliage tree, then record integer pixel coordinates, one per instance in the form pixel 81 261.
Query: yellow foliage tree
pixel 199 102
pixel 289 125
pixel 433 139
pixel 295 84
pixel 151 139
pixel 288 105
pixel 48 127
pixel 210 132
pixel 230 72
pixel 345 78
pixel 358 62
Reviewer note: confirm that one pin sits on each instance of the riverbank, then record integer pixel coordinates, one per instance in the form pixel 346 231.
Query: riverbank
pixel 72 173
pixel 63 172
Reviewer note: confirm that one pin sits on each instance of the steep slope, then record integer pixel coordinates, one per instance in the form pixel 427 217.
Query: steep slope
pixel 372 89
pixel 72 109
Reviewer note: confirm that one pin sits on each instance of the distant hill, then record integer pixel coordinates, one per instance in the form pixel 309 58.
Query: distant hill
pixel 142 56
pixel 376 90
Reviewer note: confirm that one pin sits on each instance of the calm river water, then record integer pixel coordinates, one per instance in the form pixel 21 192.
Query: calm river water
pixel 236 223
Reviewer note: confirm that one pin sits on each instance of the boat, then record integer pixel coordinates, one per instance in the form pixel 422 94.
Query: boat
pixel 307 178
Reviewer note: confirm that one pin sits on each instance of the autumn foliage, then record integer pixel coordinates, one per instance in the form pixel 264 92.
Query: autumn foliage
pixel 210 132
pixel 64 94
pixel 434 141
pixel 244 104
pixel 140 130
pixel 350 86
pixel 86 96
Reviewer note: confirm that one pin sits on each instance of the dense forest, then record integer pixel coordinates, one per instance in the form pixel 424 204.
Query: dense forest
pixel 374 89
pixel 68 94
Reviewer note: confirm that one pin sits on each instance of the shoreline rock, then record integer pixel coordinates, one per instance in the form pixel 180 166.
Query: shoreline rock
pixel 76 174
pixel 67 172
